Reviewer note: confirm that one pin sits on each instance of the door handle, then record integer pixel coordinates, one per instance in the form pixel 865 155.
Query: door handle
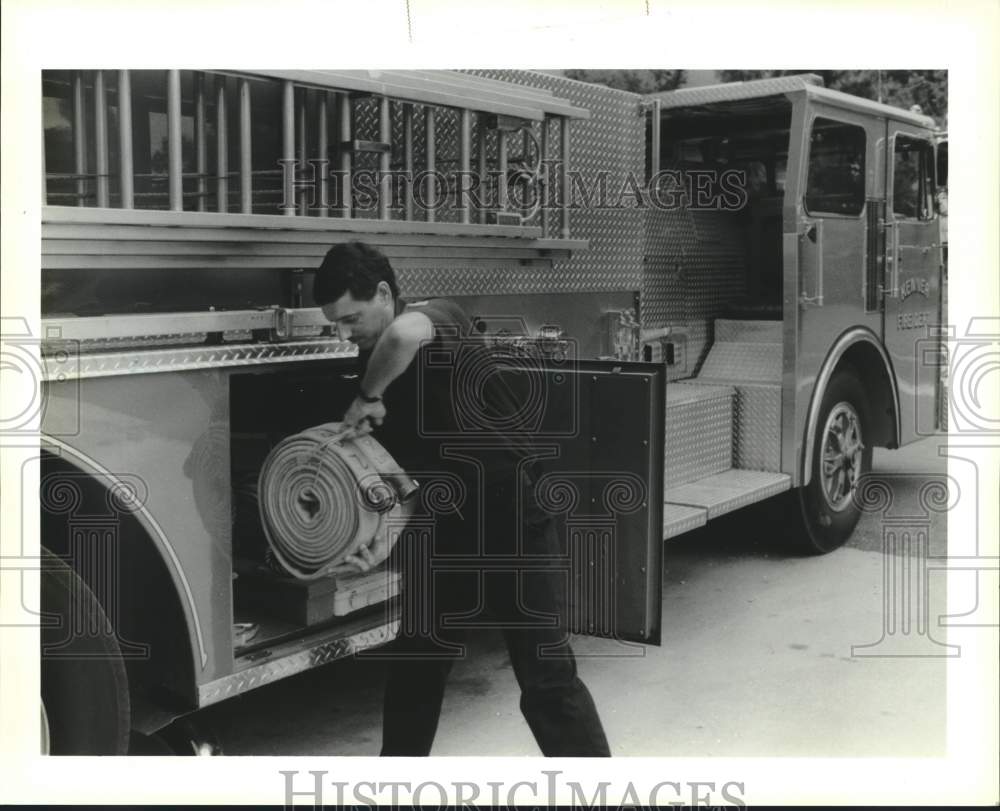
pixel 814 233
pixel 891 290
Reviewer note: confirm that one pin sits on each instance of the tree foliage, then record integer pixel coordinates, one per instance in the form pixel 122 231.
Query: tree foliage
pixel 900 88
pixel 635 81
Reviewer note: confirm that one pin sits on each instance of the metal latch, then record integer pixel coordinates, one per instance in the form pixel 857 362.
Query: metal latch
pixel 813 231
pixel 293 323
pixel 284 324
pixel 892 260
pixel 281 328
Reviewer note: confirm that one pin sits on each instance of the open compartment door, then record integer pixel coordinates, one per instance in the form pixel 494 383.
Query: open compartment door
pixel 600 436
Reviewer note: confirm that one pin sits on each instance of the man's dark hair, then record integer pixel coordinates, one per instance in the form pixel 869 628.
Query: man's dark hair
pixel 355 268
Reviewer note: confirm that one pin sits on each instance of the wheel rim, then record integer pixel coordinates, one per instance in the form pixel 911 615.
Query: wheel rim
pixel 842 455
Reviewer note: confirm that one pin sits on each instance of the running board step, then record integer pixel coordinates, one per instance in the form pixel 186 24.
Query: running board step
pixel 691 505
pixel 678 519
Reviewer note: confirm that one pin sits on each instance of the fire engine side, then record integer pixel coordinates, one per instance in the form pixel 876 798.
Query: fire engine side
pixel 769 302
pixel 180 345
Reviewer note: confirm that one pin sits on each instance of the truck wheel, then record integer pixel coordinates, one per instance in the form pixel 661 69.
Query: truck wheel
pixel 826 510
pixel 85 701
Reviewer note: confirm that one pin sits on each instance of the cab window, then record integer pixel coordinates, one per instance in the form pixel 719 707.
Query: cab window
pixel 912 179
pixel 836 182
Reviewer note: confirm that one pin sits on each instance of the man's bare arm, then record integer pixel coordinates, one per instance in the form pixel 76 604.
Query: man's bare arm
pixel 395 350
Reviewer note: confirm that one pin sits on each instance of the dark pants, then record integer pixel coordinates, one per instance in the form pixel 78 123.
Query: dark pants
pixel 512 580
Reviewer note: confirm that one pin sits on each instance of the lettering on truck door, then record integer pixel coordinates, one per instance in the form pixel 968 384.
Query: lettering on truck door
pixel 911 292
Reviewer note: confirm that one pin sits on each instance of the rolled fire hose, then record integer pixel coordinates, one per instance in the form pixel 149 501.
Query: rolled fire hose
pixel 322 496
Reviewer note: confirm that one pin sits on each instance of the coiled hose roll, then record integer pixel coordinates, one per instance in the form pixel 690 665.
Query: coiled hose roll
pixel 322 496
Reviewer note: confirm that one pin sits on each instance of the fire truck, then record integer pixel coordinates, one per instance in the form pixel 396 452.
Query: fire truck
pixel 711 299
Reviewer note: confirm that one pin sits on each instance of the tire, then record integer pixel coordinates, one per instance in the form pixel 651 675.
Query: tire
pixel 821 516
pixel 85 695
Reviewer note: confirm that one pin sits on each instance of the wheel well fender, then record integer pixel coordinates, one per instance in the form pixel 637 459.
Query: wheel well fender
pixel 859 350
pixel 116 549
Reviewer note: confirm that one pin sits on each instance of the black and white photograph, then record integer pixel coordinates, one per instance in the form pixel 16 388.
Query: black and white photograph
pixel 416 434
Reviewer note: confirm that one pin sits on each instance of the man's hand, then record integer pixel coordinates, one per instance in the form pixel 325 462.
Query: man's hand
pixel 361 417
pixel 369 555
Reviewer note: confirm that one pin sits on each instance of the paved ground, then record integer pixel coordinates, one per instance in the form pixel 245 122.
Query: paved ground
pixel 756 660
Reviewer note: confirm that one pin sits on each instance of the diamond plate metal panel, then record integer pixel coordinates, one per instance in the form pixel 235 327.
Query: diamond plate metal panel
pixel 713 281
pixel 447 148
pixel 670 237
pixel 746 362
pixel 298 662
pixel 447 143
pixel 419 141
pixel 670 232
pixel 693 391
pixel 397 154
pixel 365 118
pixel 699 432
pixel 663 293
pixel 526 153
pixel 446 133
pixel 757 428
pixel 419 150
pixel 365 127
pixel 447 151
pixel 612 140
pixel 181 359
pixel 728 491
pixel 732 331
pixel 706 250
pixel 553 152
pixel 461 281
pixel 678 519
